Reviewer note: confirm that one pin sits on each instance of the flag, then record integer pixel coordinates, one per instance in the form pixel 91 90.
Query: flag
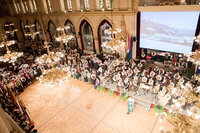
pixel 131 49
pixel 129 42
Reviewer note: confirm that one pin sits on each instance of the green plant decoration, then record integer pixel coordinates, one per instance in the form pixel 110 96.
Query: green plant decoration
pixel 110 92
pixel 103 88
pixel 172 114
pixel 158 109
pixel 123 96
pixel 99 88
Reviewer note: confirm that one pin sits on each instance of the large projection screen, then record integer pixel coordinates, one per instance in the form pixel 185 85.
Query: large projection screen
pixel 168 31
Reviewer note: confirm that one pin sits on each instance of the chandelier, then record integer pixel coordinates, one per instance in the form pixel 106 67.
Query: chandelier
pixel 10 30
pixel 30 32
pixel 63 37
pixel 54 76
pixel 115 40
pixel 10 57
pixel 194 57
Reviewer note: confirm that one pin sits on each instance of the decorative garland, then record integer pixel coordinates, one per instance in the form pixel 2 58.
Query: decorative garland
pixel 122 96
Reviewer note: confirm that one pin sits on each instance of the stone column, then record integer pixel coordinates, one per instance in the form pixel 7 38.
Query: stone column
pixel 41 6
pixel 130 5
pixel 21 3
pixel 92 5
pixel 135 5
pixel 30 6
pixel 116 5
pixel 75 6
pixel 19 32
pixel 15 7
pixel 79 41
pixel 123 5
pixel 62 5
pixel 105 4
pixel 97 6
pixel 96 44
pixel 56 6
pixel 11 7
pixel 84 7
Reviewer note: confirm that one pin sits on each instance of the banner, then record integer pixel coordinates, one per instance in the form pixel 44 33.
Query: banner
pixel 131 48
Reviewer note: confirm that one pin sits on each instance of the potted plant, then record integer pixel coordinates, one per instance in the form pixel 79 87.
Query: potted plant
pixel 123 96
pixel 158 109
pixel 110 92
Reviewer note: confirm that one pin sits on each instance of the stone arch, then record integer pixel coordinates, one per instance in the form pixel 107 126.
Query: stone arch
pixel 38 29
pixel 98 32
pixel 22 28
pixel 81 36
pixel 48 30
pixel 74 40
pixel 80 20
pixel 7 28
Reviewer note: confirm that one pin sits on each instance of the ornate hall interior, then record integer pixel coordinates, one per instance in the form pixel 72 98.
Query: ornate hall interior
pixel 99 66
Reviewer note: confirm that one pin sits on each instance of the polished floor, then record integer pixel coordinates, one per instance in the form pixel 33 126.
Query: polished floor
pixel 75 107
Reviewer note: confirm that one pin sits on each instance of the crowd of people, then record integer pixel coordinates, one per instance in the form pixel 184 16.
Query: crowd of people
pixel 129 76
pixel 100 70
pixel 13 81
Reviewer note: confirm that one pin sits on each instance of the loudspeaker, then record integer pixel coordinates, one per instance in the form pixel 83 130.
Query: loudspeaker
pixel 134 39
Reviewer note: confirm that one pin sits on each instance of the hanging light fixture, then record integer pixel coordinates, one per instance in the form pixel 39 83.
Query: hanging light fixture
pixel 10 30
pixel 114 34
pixel 10 57
pixel 30 32
pixel 53 76
pixel 63 37
pixel 194 57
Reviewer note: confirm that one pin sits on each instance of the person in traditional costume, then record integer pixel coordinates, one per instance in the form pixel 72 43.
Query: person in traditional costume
pixel 152 74
pixel 177 76
pixel 93 78
pixel 140 65
pixel 129 72
pixel 106 74
pixel 135 80
pixel 124 67
pixel 86 75
pixel 144 73
pixel 161 71
pixel 143 55
pixel 151 82
pixel 159 78
pixel 133 64
pixel 124 74
pixel 136 71
pixel 181 81
pixel 114 78
pixel 144 79
pixel 156 69
pixel 126 81
pixel 120 85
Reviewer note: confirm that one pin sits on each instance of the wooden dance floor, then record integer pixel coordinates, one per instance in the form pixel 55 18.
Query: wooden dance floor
pixel 75 107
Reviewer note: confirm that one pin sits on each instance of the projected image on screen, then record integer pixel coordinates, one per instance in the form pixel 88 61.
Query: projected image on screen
pixel 168 31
